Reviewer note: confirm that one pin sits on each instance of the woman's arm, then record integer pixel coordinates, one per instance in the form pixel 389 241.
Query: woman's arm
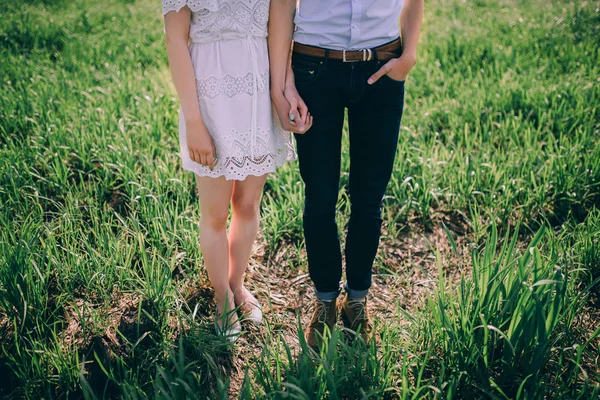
pixel 177 28
pixel 283 92
pixel 281 27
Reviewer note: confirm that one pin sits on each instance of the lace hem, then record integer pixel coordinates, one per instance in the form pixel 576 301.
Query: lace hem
pixel 238 169
pixel 194 5
pixel 241 154
pixel 230 86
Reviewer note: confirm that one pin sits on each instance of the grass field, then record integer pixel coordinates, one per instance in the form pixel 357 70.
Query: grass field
pixel 486 283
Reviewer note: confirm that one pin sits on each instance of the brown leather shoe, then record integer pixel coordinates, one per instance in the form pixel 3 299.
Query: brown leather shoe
pixel 356 317
pixel 325 313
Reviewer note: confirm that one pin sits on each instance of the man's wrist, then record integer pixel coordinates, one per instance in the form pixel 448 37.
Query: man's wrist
pixel 410 53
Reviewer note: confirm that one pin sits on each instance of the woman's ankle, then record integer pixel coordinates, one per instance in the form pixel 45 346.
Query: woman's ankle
pixel 239 292
pixel 225 300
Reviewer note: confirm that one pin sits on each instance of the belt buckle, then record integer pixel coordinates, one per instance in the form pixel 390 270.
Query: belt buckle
pixel 346 60
pixel 367 55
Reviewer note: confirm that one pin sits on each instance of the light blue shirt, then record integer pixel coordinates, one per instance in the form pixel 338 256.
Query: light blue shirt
pixel 347 24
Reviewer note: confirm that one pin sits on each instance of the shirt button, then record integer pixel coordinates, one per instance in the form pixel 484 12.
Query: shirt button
pixel 355 26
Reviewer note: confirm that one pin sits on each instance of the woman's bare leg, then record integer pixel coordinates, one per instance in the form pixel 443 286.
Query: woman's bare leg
pixel 215 196
pixel 245 203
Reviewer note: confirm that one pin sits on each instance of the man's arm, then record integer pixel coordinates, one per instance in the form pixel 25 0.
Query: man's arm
pixel 281 28
pixel 410 26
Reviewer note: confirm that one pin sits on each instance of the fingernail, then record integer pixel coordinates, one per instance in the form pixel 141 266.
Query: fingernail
pixel 370 81
pixel 292 117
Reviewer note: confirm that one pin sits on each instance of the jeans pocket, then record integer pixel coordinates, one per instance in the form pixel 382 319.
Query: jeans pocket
pixel 388 78
pixel 305 70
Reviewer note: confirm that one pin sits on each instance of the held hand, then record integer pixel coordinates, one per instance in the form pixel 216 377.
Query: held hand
pixel 396 68
pixel 298 114
pixel 292 111
pixel 200 144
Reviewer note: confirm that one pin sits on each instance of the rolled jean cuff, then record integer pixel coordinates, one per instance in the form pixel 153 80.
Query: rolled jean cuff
pixel 327 296
pixel 355 294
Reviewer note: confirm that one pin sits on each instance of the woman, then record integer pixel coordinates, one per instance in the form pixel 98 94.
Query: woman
pixel 218 57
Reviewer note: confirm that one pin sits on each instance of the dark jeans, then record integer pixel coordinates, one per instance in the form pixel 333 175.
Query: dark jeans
pixel 374 113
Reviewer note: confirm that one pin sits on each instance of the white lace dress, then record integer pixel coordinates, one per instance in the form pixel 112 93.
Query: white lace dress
pixel 229 52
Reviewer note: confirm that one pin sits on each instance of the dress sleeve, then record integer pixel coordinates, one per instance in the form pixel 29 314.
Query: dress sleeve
pixel 194 5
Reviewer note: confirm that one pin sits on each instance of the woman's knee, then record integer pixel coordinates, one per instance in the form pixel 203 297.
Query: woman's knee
pixel 216 220
pixel 246 206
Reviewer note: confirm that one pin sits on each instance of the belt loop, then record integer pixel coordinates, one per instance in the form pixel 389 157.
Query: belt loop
pixel 375 58
pixel 326 58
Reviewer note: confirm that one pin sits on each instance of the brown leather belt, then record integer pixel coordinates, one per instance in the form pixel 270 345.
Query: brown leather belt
pixel 382 53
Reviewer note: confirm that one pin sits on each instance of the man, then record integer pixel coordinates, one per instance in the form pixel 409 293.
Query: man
pixel 347 55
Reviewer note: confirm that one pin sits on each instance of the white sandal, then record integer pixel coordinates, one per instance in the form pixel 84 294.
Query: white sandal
pixel 231 331
pixel 251 309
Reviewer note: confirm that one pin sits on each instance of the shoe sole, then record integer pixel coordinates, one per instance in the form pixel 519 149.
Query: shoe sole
pixel 253 320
